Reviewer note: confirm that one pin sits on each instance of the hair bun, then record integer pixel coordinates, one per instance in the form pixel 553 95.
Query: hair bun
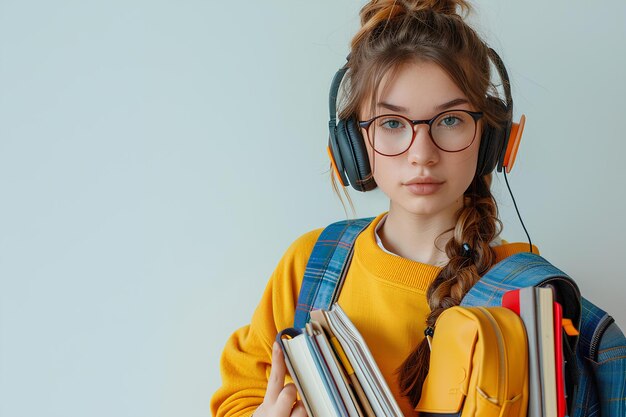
pixel 437 6
pixel 376 9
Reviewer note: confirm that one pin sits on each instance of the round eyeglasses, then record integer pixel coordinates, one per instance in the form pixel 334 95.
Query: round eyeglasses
pixel 450 131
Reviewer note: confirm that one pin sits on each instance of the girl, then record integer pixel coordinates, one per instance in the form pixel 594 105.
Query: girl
pixel 419 88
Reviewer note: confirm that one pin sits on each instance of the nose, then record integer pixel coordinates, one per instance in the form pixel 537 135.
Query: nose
pixel 422 151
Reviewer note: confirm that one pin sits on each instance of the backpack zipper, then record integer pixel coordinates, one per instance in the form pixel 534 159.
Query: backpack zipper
pixel 501 354
pixel 597 335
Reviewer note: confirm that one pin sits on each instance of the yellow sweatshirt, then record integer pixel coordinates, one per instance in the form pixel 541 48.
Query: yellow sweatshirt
pixel 384 295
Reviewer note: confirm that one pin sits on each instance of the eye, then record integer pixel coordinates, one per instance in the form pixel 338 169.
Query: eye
pixel 391 123
pixel 450 120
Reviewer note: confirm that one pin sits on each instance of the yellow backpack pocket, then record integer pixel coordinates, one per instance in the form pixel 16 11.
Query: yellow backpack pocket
pixel 478 365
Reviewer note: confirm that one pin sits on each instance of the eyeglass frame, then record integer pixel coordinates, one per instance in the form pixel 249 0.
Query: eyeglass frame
pixel 365 124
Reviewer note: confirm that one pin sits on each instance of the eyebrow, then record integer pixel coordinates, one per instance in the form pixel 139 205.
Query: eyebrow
pixel 440 107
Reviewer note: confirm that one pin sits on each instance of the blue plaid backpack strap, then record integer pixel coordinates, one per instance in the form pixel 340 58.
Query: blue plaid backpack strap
pixel 521 270
pixel 602 361
pixel 593 323
pixel 327 267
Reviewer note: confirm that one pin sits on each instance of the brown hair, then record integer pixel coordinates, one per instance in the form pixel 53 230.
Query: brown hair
pixel 395 33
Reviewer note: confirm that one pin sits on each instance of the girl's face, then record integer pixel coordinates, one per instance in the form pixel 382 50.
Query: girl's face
pixel 424 180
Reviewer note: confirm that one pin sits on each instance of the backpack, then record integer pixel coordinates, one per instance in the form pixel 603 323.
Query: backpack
pixel 467 376
pixel 595 360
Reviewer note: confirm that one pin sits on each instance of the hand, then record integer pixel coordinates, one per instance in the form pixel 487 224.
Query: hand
pixel 280 398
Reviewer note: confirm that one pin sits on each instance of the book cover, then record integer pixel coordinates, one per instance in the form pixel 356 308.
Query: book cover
pixel 560 363
pixel 301 366
pixel 547 356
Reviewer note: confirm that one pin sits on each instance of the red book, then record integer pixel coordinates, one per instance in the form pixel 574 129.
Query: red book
pixel 560 365
pixel 510 300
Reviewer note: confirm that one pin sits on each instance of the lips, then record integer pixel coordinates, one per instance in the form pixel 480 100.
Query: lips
pixel 424 180
pixel 423 185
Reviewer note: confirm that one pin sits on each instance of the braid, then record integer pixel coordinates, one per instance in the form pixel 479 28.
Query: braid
pixel 477 224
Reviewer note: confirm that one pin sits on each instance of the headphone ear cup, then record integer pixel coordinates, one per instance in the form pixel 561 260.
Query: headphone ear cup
pixel 354 155
pixel 493 141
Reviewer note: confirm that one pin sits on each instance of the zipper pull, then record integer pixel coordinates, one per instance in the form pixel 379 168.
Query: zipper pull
pixel 569 328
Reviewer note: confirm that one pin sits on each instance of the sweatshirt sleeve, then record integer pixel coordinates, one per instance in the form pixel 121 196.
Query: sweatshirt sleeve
pixel 246 360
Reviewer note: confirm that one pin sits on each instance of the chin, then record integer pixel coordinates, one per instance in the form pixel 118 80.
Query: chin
pixel 422 209
pixel 429 208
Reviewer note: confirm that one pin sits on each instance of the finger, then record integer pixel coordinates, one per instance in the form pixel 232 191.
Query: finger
pixel 286 398
pixel 299 410
pixel 276 380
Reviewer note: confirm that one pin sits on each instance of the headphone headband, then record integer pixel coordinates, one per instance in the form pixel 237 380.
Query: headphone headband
pixel 504 76
pixel 334 91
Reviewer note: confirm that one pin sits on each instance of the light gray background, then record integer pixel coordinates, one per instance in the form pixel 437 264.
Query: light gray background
pixel 157 157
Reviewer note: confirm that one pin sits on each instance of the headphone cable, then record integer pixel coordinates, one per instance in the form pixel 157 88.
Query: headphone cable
pixel 530 244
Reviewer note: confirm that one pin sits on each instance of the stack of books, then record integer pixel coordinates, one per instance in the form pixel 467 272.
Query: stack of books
pixel 333 369
pixel 336 375
pixel 543 320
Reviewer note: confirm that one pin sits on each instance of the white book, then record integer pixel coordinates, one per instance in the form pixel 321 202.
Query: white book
pixel 302 368
pixel 545 308
pixel 528 314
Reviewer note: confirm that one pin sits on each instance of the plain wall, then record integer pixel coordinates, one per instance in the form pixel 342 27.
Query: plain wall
pixel 157 158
